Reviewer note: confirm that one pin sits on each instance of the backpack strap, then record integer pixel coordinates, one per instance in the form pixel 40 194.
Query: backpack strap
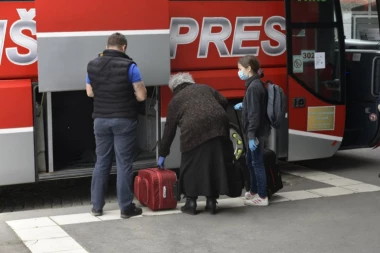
pixel 266 84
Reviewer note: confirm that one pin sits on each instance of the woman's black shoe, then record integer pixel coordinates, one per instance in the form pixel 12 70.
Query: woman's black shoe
pixel 190 207
pixel 211 205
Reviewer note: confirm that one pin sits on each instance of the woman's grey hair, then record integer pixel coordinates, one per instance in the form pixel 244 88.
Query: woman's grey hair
pixel 178 79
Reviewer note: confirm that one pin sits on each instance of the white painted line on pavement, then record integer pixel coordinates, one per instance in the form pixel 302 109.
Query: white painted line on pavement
pixel 298 195
pixel 114 215
pixel 362 188
pixel 343 182
pixel 163 212
pixel 323 177
pixel 343 186
pixel 72 251
pixel 32 234
pixel 44 235
pixel 331 191
pixel 110 215
pixel 31 223
pixel 74 218
pixel 230 202
pixel 53 245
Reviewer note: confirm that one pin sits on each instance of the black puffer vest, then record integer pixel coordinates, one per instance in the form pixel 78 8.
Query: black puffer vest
pixel 113 92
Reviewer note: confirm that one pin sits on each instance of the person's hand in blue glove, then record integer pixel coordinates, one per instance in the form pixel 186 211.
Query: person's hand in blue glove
pixel 238 106
pixel 160 162
pixel 252 145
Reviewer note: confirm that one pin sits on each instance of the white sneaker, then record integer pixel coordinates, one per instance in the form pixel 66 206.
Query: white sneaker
pixel 257 201
pixel 248 195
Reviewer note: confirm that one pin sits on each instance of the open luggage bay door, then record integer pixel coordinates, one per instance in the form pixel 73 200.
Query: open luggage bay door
pixel 70 33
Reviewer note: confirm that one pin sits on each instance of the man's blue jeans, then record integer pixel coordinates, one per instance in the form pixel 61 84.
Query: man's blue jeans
pixel 119 135
pixel 255 163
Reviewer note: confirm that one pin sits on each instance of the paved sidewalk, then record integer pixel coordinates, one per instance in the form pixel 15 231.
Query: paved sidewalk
pixel 49 230
pixel 343 224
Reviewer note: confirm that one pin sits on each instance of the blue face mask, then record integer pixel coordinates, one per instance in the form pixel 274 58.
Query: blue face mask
pixel 241 75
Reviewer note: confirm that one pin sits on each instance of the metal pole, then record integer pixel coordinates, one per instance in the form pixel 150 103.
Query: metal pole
pixel 50 131
pixel 158 122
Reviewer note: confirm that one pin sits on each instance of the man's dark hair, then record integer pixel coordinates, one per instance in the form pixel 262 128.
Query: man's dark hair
pixel 117 40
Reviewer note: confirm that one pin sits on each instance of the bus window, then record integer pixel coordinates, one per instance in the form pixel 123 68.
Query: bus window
pixel 323 82
pixel 315 33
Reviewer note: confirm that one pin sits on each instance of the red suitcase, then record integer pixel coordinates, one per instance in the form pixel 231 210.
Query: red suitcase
pixel 155 188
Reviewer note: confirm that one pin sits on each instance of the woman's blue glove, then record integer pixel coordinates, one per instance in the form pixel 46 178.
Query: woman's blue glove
pixel 252 145
pixel 160 162
pixel 238 106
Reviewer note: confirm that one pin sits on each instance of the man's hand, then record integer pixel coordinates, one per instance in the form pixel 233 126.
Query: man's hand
pixel 140 91
pixel 378 107
pixel 89 91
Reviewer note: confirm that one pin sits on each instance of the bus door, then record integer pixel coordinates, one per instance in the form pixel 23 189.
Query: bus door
pixel 363 85
pixel 316 78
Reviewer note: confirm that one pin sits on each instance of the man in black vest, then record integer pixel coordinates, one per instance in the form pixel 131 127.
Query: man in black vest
pixel 115 83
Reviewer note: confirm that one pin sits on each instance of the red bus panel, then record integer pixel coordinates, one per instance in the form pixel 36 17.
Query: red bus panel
pixel 18 44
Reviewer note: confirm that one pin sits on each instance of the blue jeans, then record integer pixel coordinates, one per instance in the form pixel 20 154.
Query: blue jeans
pixel 119 135
pixel 255 163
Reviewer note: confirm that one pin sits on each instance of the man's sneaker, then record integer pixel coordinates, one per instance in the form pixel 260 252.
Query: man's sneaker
pixel 257 201
pixel 248 195
pixel 96 213
pixel 132 210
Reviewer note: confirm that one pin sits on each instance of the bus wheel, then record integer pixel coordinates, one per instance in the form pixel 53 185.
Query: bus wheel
pixel 237 141
pixel 239 151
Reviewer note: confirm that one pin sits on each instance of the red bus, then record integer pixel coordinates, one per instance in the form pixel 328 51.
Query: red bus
pixel 46 129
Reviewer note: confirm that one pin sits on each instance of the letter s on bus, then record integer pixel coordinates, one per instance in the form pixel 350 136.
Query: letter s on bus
pixel 26 22
pixel 272 33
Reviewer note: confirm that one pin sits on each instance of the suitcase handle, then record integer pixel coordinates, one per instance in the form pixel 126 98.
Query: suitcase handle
pixel 145 182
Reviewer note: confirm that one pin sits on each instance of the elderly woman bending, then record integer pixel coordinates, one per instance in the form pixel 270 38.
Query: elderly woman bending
pixel 199 111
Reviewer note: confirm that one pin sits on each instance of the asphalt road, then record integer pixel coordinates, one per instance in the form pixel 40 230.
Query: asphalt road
pixel 338 223
pixel 347 224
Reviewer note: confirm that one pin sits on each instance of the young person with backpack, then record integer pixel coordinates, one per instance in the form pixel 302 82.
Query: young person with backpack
pixel 256 127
